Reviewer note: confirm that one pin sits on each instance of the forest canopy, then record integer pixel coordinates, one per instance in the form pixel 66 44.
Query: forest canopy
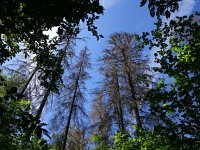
pixel 131 108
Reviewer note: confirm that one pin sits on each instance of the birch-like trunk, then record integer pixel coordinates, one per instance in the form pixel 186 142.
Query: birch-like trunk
pixel 47 92
pixel 28 81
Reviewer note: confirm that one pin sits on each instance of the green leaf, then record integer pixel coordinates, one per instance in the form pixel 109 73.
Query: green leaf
pixel 164 105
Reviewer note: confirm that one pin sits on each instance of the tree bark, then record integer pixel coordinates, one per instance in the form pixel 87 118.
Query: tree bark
pixel 44 100
pixel 47 92
pixel 71 110
pixel 29 80
pixel 119 104
pixel 130 83
pixel 42 104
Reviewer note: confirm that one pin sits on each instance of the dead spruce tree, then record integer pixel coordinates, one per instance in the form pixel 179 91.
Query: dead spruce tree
pixel 70 103
pixel 128 73
pixel 27 69
pixel 111 87
pixel 67 46
pixel 101 117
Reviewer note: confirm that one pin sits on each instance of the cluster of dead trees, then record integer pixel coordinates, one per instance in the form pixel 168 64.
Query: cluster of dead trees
pixel 117 102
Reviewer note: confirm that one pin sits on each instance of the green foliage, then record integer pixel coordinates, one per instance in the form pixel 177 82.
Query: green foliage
pixel 99 141
pixel 161 7
pixel 122 141
pixel 24 22
pixel 56 141
pixel 177 103
pixel 19 129
pixel 157 141
pixel 148 140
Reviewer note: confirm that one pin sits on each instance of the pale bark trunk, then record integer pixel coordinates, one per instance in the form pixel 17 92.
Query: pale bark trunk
pixel 28 81
pixel 42 104
pixel 47 92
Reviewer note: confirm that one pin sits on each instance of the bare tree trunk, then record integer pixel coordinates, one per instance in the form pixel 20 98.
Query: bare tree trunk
pixel 42 104
pixel 137 116
pixel 134 103
pixel 71 111
pixel 28 81
pixel 119 104
pixel 130 83
pixel 47 92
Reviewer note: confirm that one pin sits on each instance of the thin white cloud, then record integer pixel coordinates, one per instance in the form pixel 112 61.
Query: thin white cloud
pixel 185 8
pixel 52 32
pixel 108 3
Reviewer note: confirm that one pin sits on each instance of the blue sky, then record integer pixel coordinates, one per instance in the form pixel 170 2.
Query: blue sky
pixel 122 15
pixel 119 16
